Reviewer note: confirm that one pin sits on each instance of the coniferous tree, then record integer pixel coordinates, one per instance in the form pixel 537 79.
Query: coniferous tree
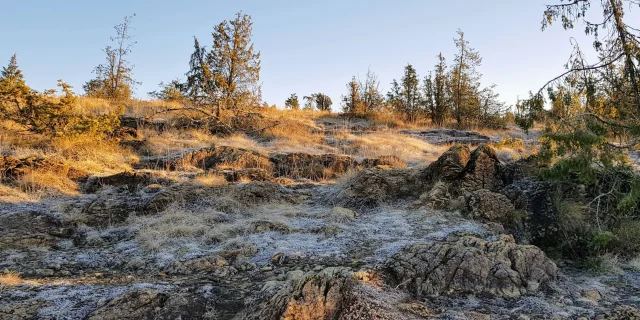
pixel 235 64
pixel 352 101
pixel 405 97
pixel 114 78
pixel 440 104
pixel 292 102
pixel 318 101
pixel 465 82
pixel 13 89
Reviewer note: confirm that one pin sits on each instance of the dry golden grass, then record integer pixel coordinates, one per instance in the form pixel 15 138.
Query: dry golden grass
pixel 94 155
pixel 15 195
pixel 43 183
pixel 211 179
pixel 10 279
pixel 412 150
pixel 160 231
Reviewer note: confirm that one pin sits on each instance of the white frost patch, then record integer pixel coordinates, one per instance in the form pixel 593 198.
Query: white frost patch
pixel 77 302
pixel 378 235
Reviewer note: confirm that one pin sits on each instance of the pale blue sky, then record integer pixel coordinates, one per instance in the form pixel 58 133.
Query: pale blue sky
pixel 306 46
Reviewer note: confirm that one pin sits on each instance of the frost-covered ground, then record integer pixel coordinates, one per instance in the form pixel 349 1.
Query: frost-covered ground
pixel 118 259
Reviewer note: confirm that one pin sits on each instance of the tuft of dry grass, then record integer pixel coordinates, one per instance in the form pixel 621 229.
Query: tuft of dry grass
pixel 211 179
pixel 15 195
pixel 10 279
pixel 177 225
pixel 93 155
pixel 43 183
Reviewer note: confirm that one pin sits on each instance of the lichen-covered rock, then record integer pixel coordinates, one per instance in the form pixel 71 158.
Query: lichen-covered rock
pixel 130 179
pixel 252 174
pixel 483 171
pixel 438 197
pixel 341 215
pixel 490 206
pixel 621 313
pixel 533 198
pixel 224 157
pixel 375 186
pixel 449 165
pixel 310 166
pixel 147 304
pixel 471 266
pixel 213 264
pixel 24 310
pixel 112 206
pixel 26 229
pixel 389 161
pixel 332 295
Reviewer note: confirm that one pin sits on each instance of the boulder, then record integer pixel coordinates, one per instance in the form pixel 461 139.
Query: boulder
pixel 388 161
pixel 331 294
pixel 471 265
pixel 310 166
pixel 621 313
pixel 540 223
pixel 112 207
pixel 213 265
pixel 223 157
pixel 490 206
pixel 129 179
pixel 449 165
pixel 373 187
pixel 25 229
pixel 483 171
pixel 149 304
pixel 23 310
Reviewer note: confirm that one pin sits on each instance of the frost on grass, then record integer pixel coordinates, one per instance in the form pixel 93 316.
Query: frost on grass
pixel 379 234
pixel 77 302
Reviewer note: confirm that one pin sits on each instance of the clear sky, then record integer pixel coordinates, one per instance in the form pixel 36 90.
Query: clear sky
pixel 307 46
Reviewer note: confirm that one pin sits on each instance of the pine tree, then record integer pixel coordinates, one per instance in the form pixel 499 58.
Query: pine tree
pixel 292 102
pixel 405 97
pixel 352 101
pixel 465 82
pixel 440 104
pixel 13 89
pixel 200 86
pixel 235 64
pixel 318 101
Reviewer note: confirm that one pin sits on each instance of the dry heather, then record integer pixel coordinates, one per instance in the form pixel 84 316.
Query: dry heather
pixel 10 279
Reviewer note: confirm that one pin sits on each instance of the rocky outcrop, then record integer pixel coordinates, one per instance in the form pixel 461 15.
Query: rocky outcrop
pixel 12 168
pixel 148 304
pixel 309 166
pixel 331 294
pixel 130 179
pixel 386 161
pixel 112 206
pixel 27 229
pixel 448 136
pixel 213 265
pixel 621 313
pixel 490 206
pixel 540 223
pixel 483 171
pixel 375 186
pixel 224 157
pixel 471 266
pixel 449 165
pixel 26 310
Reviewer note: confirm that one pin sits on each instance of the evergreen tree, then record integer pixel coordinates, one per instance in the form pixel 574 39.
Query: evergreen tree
pixel 172 91
pixel 114 78
pixel 13 89
pixel 465 82
pixel 200 86
pixel 406 98
pixel 440 104
pixel 235 64
pixel 292 102
pixel 352 102
pixel 318 101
